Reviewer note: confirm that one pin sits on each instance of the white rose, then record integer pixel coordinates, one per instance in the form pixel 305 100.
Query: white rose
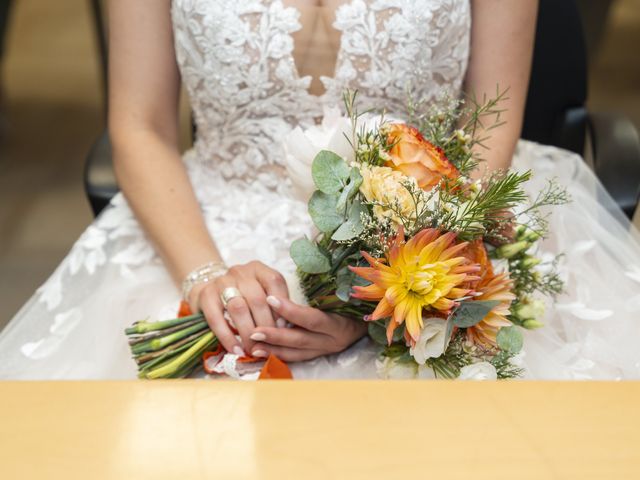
pixel 389 368
pixel 478 371
pixel 302 146
pixel 432 342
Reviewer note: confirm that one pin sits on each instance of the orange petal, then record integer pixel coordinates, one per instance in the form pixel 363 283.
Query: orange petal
pixel 373 275
pixel 370 292
pixel 383 310
pixel 391 326
pixel 274 368
pixel 374 262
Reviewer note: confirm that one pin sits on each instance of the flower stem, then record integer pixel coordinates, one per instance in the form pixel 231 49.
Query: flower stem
pixel 171 349
pixel 161 342
pixel 135 339
pixel 145 327
pixel 185 359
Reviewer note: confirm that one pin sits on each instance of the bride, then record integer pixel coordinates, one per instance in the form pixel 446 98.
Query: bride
pixel 222 215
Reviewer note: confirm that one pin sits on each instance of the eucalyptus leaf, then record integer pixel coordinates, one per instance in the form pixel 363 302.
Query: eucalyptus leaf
pixel 329 172
pixel 378 333
pixel 355 180
pixel 353 226
pixel 338 253
pixel 344 282
pixel 308 256
pixel 472 312
pixel 322 209
pixel 509 339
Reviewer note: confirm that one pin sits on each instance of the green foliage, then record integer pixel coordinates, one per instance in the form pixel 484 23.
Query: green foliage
pixel 323 211
pixel 378 332
pixel 350 190
pixel 308 256
pixel 471 312
pixel 509 339
pixel 353 226
pixel 330 172
pixel 482 213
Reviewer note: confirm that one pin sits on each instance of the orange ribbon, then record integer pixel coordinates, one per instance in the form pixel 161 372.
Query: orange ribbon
pixel 274 368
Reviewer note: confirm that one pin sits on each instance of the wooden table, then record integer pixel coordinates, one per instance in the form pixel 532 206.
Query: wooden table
pixel 308 430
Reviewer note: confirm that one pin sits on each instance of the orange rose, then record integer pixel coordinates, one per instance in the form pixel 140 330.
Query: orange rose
pixel 415 157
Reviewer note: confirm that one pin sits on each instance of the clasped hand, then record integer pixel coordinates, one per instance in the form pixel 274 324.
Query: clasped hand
pixel 266 319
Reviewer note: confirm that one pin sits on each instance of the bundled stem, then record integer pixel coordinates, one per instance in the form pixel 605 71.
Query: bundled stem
pixel 170 348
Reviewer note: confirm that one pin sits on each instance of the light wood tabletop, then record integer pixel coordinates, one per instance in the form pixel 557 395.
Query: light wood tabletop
pixel 289 430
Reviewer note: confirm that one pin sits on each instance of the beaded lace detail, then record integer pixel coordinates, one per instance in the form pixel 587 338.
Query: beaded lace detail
pixel 236 60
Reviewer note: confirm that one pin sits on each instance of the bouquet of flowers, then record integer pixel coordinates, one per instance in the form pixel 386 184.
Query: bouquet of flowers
pixel 444 268
pixel 441 266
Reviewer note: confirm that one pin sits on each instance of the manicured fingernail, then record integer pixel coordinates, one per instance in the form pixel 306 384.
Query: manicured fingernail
pixel 281 322
pixel 273 301
pixel 260 354
pixel 258 336
pixel 238 351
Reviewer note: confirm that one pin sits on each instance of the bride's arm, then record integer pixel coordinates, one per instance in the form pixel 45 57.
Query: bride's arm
pixel 143 124
pixel 502 35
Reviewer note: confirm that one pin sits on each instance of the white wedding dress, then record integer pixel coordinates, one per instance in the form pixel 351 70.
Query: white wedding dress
pixel 236 62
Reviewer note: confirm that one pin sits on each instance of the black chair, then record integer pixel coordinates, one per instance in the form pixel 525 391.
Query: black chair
pixel 555 114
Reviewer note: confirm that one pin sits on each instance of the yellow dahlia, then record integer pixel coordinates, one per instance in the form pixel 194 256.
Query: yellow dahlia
pixel 423 273
pixel 498 287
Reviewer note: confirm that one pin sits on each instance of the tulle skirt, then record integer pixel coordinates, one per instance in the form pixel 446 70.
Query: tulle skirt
pixel 72 328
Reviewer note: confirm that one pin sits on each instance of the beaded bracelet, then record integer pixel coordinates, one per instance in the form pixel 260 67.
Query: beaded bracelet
pixel 203 274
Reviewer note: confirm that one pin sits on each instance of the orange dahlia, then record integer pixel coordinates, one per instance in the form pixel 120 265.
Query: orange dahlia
pixel 499 288
pixel 490 287
pixel 426 272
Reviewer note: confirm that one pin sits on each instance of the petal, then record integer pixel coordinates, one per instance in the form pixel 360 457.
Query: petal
pixel 396 294
pixel 390 329
pixel 400 311
pixel 376 276
pixel 414 320
pixel 370 292
pixel 443 304
pixel 383 310
pixel 377 263
pixel 451 251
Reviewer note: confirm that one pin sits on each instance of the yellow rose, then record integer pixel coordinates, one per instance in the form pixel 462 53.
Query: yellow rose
pixel 385 188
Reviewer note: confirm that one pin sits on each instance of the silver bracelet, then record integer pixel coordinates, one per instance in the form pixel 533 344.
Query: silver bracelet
pixel 203 274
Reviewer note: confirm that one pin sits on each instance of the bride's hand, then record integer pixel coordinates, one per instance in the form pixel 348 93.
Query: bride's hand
pixel 315 332
pixel 255 281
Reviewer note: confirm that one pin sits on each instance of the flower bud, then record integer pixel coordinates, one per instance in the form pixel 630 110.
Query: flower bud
pixel 532 324
pixel 530 261
pixel 530 310
pixel 521 231
pixel 511 249
pixel 532 236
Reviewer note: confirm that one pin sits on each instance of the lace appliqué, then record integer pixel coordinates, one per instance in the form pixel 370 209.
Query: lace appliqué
pixel 393 49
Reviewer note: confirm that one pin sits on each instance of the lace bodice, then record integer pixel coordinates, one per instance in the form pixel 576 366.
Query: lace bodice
pixel 236 60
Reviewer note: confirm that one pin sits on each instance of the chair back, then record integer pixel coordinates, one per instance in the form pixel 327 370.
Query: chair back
pixel 555 112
